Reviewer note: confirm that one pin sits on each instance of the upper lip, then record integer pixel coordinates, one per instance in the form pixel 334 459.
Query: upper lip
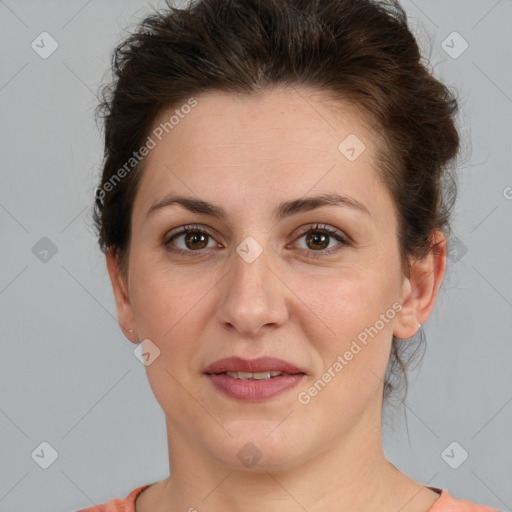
pixel 260 364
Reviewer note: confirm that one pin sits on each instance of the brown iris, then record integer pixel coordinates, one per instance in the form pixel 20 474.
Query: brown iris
pixel 318 238
pixel 196 238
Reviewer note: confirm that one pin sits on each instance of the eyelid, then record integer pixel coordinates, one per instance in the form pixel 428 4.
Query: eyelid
pixel 343 239
pixel 185 228
pixel 321 227
pixel 340 236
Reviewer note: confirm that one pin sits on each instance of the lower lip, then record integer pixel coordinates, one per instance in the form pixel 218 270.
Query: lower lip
pixel 254 390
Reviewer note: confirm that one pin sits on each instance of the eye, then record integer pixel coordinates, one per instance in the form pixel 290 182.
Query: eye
pixel 319 238
pixel 189 239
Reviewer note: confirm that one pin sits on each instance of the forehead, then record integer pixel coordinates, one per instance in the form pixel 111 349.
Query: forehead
pixel 282 142
pixel 273 119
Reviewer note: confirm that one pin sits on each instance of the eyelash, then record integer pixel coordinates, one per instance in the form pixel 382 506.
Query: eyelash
pixel 318 228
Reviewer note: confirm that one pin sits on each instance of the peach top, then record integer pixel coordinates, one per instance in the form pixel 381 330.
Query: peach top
pixel 445 503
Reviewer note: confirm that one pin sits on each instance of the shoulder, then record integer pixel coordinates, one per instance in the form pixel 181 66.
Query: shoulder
pixel 447 503
pixel 118 505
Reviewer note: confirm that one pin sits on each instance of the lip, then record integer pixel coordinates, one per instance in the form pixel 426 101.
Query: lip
pixel 253 390
pixel 260 364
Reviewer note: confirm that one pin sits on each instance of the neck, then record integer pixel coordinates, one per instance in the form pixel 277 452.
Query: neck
pixel 351 473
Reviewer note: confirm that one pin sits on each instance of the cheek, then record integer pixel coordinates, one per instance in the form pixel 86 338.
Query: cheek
pixel 169 311
pixel 358 311
pixel 355 301
pixel 165 298
pixel 172 307
pixel 353 360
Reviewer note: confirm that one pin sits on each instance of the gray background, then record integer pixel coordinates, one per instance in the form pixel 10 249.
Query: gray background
pixel 70 378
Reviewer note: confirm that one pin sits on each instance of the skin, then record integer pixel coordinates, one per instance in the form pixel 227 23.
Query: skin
pixel 248 154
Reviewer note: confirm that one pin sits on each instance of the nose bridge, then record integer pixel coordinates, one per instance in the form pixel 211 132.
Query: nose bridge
pixel 253 296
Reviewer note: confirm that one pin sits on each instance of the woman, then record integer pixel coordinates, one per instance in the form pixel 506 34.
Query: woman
pixel 274 209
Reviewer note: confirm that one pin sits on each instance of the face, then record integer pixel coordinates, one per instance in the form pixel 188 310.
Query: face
pixel 263 271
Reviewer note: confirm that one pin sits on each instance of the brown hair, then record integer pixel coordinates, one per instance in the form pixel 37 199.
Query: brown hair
pixel 357 50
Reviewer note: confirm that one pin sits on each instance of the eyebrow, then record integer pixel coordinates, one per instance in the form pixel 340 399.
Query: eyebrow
pixel 285 209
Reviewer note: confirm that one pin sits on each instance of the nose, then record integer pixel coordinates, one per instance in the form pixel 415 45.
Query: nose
pixel 254 297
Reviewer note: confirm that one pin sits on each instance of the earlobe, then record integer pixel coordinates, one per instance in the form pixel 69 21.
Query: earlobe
pixel 421 289
pixel 121 294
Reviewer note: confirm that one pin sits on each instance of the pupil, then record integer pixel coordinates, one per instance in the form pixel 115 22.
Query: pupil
pixel 195 238
pixel 200 238
pixel 316 238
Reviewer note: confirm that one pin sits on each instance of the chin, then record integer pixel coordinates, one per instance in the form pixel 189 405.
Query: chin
pixel 258 446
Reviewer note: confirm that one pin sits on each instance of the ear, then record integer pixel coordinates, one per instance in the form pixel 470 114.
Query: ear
pixel 120 289
pixel 420 290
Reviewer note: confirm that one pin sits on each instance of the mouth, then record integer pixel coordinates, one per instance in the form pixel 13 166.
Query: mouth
pixel 253 379
pixel 259 368
pixel 256 375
